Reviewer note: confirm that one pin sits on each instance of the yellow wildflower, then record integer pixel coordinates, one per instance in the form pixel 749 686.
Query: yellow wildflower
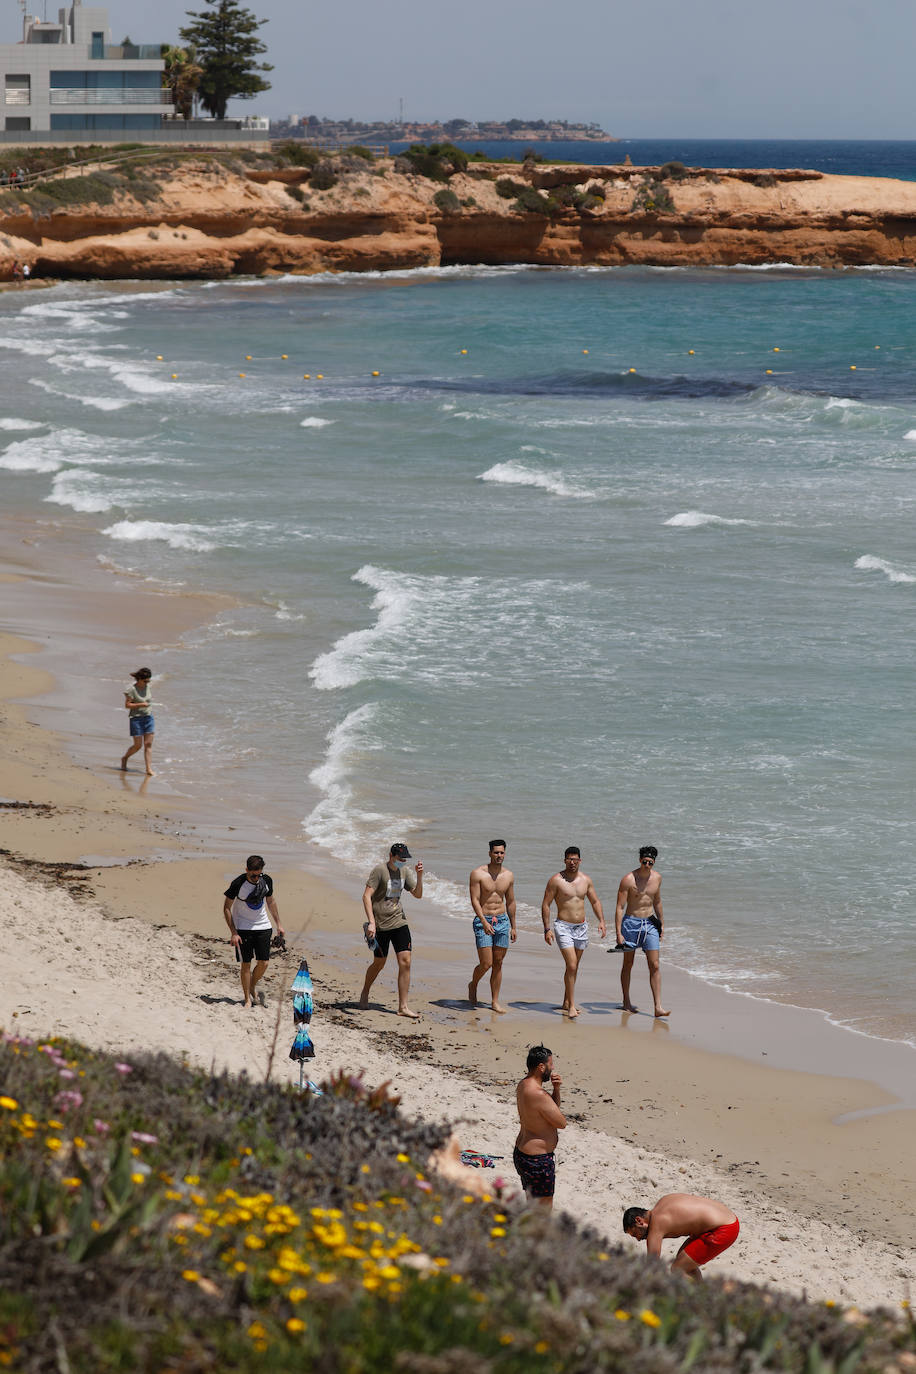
pixel 256 1331
pixel 650 1318
pixel 52 1142
pixel 277 1276
pixel 541 1347
pixel 621 1315
pixel 79 1142
pixel 298 1294
pixel 295 1325
pixel 506 1338
pixel 192 1179
pixel 72 1182
pixel 498 1231
pixel 56 1125
pixel 191 1275
pixel 9 1103
pixel 325 1277
pixel 240 1267
pixel 254 1243
pixel 403 1159
pixel 138 1178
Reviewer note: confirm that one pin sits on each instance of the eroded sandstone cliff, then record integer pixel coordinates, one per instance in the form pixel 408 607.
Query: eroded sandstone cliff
pixel 207 221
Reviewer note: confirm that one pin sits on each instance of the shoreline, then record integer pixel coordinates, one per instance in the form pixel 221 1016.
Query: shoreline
pixel 756 1131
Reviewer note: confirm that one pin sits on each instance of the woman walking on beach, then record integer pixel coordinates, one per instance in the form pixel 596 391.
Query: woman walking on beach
pixel 138 701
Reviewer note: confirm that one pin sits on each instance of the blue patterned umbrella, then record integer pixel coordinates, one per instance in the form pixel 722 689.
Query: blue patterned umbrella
pixel 303 1006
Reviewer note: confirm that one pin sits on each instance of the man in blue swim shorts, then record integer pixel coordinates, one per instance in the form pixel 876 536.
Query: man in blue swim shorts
pixel 640 924
pixel 492 889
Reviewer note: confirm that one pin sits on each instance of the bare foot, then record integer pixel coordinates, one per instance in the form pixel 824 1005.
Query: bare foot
pixel 411 1015
pixel 572 1012
pixel 124 764
pixel 472 993
pixel 628 1006
pixel 150 773
pixel 660 1012
pixel 363 1004
pixel 497 1007
pixel 247 1002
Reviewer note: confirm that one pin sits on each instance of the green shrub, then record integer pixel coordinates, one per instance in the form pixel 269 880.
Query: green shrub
pixel 295 154
pixel 672 171
pixel 437 162
pixel 323 177
pixel 509 189
pixel 296 192
pixel 531 202
pixel 447 202
pixel 654 198
pixel 358 150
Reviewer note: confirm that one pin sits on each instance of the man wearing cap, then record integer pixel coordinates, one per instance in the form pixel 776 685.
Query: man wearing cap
pixel 246 903
pixel 386 921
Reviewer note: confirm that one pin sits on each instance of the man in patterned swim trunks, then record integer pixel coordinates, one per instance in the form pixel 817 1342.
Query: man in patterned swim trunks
pixel 493 899
pixel 710 1228
pixel 643 926
pixel 541 1121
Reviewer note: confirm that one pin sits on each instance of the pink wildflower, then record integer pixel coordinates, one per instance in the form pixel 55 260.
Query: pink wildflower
pixel 66 1073
pixel 123 1069
pixel 100 1127
pixel 143 1138
pixel 65 1100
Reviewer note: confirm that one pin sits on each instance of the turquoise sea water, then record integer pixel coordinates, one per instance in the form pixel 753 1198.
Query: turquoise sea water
pixel 551 576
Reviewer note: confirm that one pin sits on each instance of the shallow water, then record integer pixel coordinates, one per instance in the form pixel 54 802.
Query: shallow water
pixel 575 584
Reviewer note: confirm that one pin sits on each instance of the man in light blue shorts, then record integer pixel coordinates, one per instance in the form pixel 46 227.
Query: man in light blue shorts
pixel 640 924
pixel 492 890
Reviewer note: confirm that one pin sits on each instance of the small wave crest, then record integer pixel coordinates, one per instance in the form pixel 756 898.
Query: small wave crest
pixel 513 474
pixel 868 563
pixel 46 452
pixel 96 402
pixel 314 422
pixel 78 489
pixel 9 423
pixel 344 664
pixel 190 537
pixel 695 519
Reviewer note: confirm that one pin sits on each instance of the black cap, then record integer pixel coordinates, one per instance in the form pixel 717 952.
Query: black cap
pixel 400 851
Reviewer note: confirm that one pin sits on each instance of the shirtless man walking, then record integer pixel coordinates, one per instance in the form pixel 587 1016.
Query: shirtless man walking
pixel 569 890
pixel 643 925
pixel 493 899
pixel 710 1228
pixel 540 1122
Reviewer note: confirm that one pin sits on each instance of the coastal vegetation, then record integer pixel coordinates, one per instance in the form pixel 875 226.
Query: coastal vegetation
pixel 225 44
pixel 154 1217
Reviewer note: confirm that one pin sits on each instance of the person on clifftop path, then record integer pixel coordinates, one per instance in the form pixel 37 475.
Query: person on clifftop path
pixel 247 901
pixel 138 701
pixel 386 921
pixel 710 1228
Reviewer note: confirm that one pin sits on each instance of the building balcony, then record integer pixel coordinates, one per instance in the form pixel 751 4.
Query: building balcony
pixel 116 95
pixel 18 96
pixel 133 52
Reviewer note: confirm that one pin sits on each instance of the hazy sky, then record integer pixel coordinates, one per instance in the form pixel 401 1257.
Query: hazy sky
pixel 650 68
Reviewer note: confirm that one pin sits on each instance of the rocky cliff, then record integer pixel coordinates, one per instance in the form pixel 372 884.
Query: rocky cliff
pixel 204 220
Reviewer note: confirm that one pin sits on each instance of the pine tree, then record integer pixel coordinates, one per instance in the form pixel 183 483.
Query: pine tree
pixel 226 45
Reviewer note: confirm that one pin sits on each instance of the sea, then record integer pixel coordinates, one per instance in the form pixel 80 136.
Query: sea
pixel 602 557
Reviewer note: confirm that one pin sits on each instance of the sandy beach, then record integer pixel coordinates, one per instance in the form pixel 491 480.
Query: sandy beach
pixel 803 1128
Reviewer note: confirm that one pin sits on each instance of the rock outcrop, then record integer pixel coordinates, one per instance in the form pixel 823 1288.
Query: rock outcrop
pixel 206 221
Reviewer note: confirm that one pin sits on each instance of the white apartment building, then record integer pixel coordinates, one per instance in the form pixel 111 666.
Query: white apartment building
pixel 68 76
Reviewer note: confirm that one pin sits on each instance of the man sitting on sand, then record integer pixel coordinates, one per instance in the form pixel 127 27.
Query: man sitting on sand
pixel 569 890
pixel 710 1228
pixel 643 926
pixel 247 900
pixel 541 1121
pixel 386 921
pixel 493 899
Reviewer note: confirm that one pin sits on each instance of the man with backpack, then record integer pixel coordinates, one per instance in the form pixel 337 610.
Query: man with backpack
pixel 247 901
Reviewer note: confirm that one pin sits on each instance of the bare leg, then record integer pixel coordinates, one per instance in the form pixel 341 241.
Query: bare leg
pixel 136 743
pixel 626 969
pixel 683 1264
pixel 571 959
pixel 245 976
pixel 372 972
pixel 404 985
pixel 484 963
pixel 655 981
pixel 148 753
pixel 496 978
pixel 257 974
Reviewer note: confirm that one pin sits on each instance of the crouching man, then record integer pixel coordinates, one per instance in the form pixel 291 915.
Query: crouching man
pixel 710 1228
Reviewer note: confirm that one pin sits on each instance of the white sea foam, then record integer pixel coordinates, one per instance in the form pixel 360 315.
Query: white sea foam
pixel 867 563
pixel 192 537
pixel 48 452
pixel 337 821
pixel 79 489
pixel 314 422
pixel 97 402
pixel 9 423
pixel 694 519
pixel 514 474
pixel 910 434
pixel 345 664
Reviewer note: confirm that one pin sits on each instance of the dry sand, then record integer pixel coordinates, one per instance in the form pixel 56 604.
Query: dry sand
pixel 132 954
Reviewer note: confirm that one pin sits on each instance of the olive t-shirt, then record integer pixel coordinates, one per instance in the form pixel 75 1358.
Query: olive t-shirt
pixel 140 701
pixel 386 895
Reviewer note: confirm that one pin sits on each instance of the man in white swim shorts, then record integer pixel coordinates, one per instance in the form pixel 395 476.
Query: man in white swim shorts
pixel 569 889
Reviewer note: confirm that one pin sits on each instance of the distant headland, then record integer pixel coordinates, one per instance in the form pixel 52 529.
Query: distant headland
pixel 335 131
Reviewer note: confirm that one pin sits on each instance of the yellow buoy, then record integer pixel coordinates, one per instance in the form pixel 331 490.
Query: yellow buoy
pixel 320 376
pixel 632 369
pixel 247 357
pixel 243 374
pixel 284 356
pixel 691 350
pixel 174 376
pixel 585 350
pixel 464 350
pixel 852 367
pixel 375 374
pixel 775 350
pixel 769 372
pixel 306 376
pixel 877 345
pixel 158 357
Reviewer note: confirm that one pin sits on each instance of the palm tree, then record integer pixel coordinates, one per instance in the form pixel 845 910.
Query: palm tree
pixel 182 77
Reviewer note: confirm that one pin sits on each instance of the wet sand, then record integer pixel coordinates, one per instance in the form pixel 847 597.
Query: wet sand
pixel 805 1128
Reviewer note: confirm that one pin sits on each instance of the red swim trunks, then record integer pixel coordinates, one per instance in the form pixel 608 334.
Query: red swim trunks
pixel 704 1248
